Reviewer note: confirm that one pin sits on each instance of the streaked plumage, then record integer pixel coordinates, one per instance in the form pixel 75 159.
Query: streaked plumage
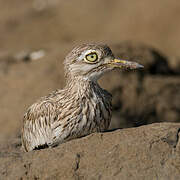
pixel 81 108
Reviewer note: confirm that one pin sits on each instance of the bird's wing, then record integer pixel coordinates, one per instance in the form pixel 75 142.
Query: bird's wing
pixel 37 122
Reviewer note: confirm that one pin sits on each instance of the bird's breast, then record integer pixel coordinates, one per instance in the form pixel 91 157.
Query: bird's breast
pixel 84 113
pixel 96 111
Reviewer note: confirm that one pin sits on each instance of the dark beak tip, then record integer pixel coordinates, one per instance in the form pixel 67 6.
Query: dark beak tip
pixel 140 66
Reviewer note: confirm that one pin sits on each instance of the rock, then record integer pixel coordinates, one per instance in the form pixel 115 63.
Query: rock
pixel 146 152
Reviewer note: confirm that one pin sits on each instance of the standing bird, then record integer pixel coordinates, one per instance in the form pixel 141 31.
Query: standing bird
pixel 81 108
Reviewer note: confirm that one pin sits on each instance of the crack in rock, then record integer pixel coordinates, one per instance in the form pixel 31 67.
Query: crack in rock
pixel 77 162
pixel 172 139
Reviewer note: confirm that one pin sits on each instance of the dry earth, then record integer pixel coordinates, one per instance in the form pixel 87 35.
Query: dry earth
pixel 147 152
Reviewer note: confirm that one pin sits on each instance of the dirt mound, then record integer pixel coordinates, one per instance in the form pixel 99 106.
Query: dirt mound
pixel 147 152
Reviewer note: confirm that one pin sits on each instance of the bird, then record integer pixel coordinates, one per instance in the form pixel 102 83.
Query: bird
pixel 82 107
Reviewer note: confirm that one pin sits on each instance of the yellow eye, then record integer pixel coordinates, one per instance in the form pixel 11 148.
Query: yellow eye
pixel 92 57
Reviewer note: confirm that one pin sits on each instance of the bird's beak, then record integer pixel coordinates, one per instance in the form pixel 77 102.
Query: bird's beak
pixel 124 64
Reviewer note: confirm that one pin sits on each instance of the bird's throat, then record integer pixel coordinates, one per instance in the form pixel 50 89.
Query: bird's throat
pixel 80 86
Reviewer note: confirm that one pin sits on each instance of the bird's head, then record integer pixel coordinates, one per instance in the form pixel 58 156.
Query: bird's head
pixel 91 61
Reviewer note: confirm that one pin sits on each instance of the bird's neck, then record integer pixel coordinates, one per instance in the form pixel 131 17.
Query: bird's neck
pixel 80 86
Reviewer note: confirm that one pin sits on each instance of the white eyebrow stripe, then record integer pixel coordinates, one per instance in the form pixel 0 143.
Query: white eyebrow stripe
pixel 82 56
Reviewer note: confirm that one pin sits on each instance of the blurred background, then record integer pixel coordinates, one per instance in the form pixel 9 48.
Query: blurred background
pixel 36 35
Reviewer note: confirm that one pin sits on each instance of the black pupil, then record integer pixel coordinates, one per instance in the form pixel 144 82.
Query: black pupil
pixel 92 57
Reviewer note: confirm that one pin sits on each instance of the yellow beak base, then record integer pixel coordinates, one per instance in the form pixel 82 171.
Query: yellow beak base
pixel 124 64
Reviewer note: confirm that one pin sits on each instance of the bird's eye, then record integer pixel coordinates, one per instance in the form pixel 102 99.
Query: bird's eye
pixel 92 57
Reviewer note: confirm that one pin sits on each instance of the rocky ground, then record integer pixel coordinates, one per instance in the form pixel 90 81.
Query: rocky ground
pixel 147 152
pixel 36 35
